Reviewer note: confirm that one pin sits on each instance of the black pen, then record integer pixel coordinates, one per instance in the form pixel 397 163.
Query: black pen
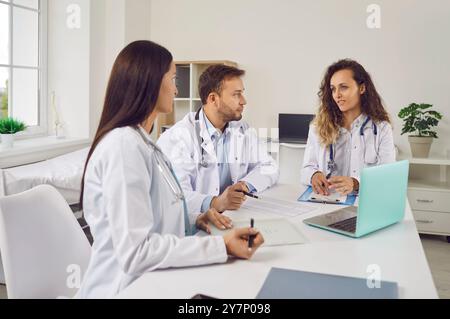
pixel 251 237
pixel 248 194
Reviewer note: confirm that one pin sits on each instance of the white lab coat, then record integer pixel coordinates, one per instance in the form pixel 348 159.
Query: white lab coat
pixel 248 158
pixel 136 220
pixel 352 152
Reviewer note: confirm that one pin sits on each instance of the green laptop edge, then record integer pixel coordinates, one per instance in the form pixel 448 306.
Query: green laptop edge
pixel 382 199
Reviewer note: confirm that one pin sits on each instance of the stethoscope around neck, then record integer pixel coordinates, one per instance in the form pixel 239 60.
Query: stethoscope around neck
pixel 203 163
pixel 331 165
pixel 165 168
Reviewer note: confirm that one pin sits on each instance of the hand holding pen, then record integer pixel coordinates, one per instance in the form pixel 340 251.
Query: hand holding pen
pixel 238 241
pixel 248 194
pixel 251 238
pixel 231 199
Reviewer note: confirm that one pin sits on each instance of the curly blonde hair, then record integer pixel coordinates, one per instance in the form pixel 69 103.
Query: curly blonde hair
pixel 329 117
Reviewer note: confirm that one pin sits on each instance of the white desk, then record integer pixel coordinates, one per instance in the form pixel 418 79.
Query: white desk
pixel 397 250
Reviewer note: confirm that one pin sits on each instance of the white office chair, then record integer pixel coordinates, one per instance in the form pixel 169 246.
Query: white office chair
pixel 43 248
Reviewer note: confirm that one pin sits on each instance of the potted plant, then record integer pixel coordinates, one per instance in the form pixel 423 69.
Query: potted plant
pixel 9 127
pixel 419 119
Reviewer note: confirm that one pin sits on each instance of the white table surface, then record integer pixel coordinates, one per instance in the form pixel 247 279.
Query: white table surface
pixel 397 250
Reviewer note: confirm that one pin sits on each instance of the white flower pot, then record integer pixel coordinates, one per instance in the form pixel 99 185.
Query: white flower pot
pixel 420 146
pixel 7 140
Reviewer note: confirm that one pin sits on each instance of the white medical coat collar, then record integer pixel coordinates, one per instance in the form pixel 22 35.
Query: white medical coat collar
pixel 148 138
pixel 212 130
pixel 235 127
pixel 143 130
pixel 356 124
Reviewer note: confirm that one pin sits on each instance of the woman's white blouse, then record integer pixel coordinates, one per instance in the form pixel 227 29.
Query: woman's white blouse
pixel 352 151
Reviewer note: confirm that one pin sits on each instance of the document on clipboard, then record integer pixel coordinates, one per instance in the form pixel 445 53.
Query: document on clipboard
pixel 333 198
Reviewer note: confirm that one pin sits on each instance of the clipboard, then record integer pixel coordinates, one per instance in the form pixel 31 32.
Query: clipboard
pixel 306 197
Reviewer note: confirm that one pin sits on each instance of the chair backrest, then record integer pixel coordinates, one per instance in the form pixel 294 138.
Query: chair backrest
pixel 44 250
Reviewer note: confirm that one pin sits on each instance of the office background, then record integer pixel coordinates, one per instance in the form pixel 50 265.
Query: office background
pixel 284 46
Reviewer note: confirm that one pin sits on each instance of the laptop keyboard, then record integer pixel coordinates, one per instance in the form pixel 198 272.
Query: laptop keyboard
pixel 347 225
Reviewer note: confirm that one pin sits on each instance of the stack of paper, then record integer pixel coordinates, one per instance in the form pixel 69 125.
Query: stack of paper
pixel 277 206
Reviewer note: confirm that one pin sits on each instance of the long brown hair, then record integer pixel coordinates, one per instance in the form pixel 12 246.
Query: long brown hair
pixel 132 91
pixel 329 117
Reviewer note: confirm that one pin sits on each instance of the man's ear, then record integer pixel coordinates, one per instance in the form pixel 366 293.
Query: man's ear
pixel 362 89
pixel 212 98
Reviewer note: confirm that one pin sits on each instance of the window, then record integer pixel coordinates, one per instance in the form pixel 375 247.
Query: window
pixel 23 62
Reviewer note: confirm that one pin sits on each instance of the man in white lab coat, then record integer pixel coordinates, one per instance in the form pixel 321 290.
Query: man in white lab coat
pixel 216 156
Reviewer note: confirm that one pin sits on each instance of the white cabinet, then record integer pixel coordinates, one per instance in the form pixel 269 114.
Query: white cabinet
pixel 429 195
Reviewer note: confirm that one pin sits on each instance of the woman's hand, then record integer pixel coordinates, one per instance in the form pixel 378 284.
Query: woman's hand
pixel 344 185
pixel 236 242
pixel 217 219
pixel 319 184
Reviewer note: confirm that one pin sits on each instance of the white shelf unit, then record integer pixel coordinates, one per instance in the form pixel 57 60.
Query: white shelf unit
pixel 188 99
pixel 429 195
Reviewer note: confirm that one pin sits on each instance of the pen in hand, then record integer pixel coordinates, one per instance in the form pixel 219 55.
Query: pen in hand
pixel 248 194
pixel 251 237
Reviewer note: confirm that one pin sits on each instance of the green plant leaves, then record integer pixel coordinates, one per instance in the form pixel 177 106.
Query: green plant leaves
pixel 9 125
pixel 420 121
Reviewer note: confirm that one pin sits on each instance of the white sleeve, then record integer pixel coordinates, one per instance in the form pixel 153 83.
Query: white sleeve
pixel 310 159
pixel 386 148
pixel 263 171
pixel 178 145
pixel 126 183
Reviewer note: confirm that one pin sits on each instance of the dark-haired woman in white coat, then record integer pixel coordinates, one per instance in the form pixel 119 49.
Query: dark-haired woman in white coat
pixel 131 199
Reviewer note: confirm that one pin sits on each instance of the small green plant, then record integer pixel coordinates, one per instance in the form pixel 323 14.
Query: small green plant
pixel 417 118
pixel 9 125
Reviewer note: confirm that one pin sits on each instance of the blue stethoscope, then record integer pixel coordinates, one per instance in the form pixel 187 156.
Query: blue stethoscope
pixel 331 165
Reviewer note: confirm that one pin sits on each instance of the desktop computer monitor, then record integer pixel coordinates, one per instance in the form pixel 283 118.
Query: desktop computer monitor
pixel 294 128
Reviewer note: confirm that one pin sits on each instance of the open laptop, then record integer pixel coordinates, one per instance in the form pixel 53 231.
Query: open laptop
pixel 294 128
pixel 382 200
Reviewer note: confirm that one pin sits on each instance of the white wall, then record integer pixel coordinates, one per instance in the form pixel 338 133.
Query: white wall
pixel 68 67
pixel 285 47
pixel 80 60
pixel 114 24
pixel 137 20
pixel 97 71
pixel 107 38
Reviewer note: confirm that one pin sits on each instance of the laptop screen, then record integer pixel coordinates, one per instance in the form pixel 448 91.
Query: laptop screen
pixel 294 126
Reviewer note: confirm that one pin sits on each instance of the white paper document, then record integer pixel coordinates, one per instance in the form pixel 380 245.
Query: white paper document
pixel 334 197
pixel 276 232
pixel 277 206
